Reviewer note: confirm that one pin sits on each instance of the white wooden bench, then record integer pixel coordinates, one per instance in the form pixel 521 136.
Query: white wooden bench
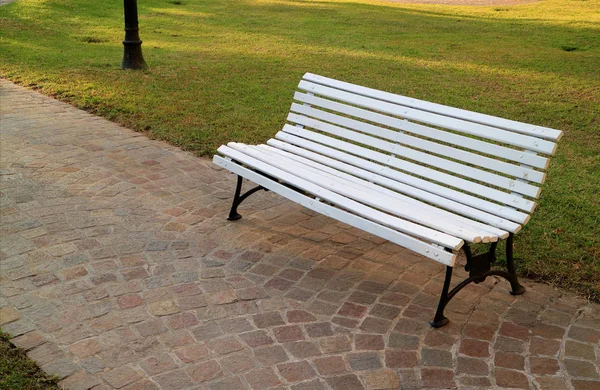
pixel 427 177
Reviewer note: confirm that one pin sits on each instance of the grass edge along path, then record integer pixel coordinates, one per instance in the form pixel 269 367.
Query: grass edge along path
pixel 18 372
pixel 225 70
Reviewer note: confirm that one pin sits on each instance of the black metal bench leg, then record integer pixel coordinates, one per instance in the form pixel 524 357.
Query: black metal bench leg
pixel 479 268
pixel 440 320
pixel 516 287
pixel 238 199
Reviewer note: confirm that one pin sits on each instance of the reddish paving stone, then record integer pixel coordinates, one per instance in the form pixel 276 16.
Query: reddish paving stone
pixel 540 346
pixel 268 320
pixel 158 364
pixel 438 378
pixel 335 344
pixel 330 365
pixel 352 310
pixel 509 360
pixel 296 372
pixel 256 338
pixel 295 316
pixel 192 353
pixel 510 329
pixel 288 333
pixel 381 379
pixel 262 378
pixel 474 348
pixel 269 356
pixel 345 382
pixel 401 359
pixel 368 342
pixel 510 378
pixel 121 376
pixel 543 366
pixel 204 371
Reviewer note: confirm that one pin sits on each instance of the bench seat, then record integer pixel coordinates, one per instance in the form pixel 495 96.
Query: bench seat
pixel 427 177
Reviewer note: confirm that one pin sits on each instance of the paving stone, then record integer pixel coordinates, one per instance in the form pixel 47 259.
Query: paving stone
pixel 173 380
pixel 62 368
pixel 335 344
pixel 267 320
pixel 288 333
pixel 345 382
pixel 512 379
pixel 269 356
pixel 204 371
pixel 256 338
pixel 262 378
pixel 364 361
pixel 79 381
pixel 296 371
pixel 436 357
pixel 400 358
pixel 239 362
pixel 581 369
pixel 121 376
pixel 330 365
pixel 438 378
pixel 381 379
pixel 157 364
pixel 509 360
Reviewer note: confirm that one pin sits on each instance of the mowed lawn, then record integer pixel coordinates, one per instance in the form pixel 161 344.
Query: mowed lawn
pixel 223 70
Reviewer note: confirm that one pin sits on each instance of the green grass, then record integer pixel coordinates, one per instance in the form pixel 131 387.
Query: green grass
pixel 18 372
pixel 225 70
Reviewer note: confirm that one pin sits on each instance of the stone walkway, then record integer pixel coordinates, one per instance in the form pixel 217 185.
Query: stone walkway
pixel 119 270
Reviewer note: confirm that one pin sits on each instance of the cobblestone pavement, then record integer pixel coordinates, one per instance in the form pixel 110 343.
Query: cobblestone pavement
pixel 119 270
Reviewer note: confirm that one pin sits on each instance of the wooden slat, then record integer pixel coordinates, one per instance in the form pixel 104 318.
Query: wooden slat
pixel 358 222
pixel 357 193
pixel 428 146
pixel 486 231
pixel 420 157
pixel 370 194
pixel 404 226
pixel 426 131
pixel 507 124
pixel 440 177
pixel 478 203
pixel 501 224
pixel 475 129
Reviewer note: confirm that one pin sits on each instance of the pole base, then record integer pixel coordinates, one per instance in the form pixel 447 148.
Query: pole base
pixel 132 56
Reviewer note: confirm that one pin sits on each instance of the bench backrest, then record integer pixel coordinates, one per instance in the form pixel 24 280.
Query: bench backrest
pixel 485 162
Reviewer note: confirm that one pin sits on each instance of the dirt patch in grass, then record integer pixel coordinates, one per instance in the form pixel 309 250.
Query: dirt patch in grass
pixel 467 2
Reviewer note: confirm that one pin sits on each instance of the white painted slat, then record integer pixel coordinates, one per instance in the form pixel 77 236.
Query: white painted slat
pixel 440 177
pixel 501 225
pixel 391 235
pixel 507 124
pixel 428 146
pixel 420 157
pixel 485 231
pixel 378 199
pixel 404 226
pixel 426 131
pixel 478 203
pixel 475 129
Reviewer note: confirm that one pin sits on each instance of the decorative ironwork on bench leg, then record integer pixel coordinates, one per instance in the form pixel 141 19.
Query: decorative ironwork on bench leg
pixel 479 268
pixel 238 199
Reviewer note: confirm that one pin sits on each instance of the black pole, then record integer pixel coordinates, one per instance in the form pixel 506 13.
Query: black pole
pixel 132 54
